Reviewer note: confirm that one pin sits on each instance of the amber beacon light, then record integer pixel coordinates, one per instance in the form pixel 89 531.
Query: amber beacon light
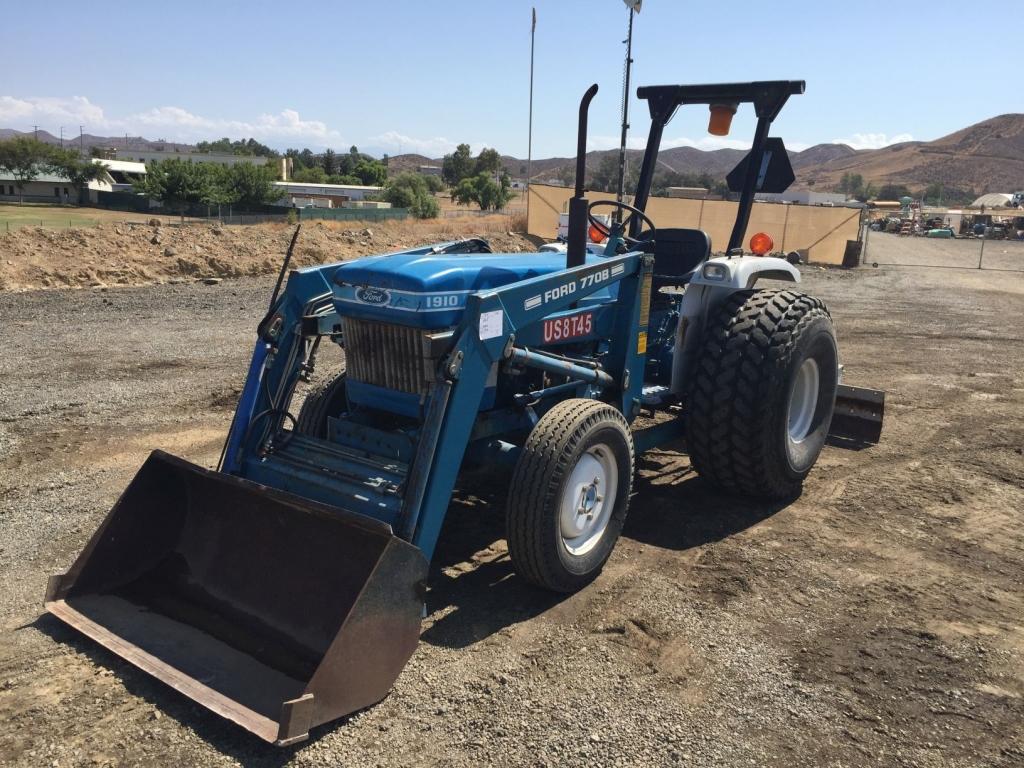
pixel 721 119
pixel 761 243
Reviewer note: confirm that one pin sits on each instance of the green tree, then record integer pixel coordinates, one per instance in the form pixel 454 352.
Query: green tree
pixel 483 190
pixel 488 161
pixel 457 166
pixel 893 192
pixel 464 192
pixel 372 173
pixel 434 183
pixel 409 190
pixel 77 170
pixel 25 158
pixel 249 147
pixel 310 175
pixel 347 178
pixel 249 185
pixel 176 183
pixel 851 184
pixel 329 162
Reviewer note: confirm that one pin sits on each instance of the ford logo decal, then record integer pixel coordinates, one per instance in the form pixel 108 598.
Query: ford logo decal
pixel 373 295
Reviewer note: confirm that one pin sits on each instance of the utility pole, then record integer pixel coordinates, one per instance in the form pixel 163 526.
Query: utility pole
pixel 634 8
pixel 35 131
pixel 81 140
pixel 529 130
pixel 62 137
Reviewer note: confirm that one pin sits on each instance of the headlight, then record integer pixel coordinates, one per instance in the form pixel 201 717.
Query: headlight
pixel 714 270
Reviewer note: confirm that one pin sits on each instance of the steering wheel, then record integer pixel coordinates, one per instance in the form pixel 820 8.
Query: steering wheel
pixel 600 226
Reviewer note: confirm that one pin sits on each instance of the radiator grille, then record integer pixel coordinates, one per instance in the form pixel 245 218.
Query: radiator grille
pixel 391 356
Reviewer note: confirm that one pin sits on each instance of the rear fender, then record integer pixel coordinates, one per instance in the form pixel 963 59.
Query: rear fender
pixel 703 296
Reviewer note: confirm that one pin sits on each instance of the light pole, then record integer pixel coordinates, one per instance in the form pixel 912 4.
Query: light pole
pixel 529 129
pixel 634 8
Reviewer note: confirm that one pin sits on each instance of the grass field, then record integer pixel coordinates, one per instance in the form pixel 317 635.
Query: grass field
pixel 13 216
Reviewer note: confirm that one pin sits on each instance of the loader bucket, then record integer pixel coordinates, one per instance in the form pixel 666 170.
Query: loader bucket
pixel 273 611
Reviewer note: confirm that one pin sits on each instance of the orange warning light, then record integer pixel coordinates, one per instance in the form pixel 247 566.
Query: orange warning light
pixel 761 243
pixel 721 119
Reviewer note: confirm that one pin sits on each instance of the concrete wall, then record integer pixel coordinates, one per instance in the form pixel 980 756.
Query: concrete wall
pixel 819 234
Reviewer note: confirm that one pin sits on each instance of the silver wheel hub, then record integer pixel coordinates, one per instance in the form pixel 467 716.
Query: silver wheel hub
pixel 803 400
pixel 588 499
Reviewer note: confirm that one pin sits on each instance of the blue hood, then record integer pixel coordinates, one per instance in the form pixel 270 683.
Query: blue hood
pixel 428 290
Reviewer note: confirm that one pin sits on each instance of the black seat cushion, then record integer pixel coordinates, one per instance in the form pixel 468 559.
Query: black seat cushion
pixel 677 253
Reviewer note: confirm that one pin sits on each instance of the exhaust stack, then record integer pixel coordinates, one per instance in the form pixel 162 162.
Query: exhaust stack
pixel 576 245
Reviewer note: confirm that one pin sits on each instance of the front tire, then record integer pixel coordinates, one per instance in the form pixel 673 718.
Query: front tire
pixel 323 401
pixel 569 494
pixel 762 397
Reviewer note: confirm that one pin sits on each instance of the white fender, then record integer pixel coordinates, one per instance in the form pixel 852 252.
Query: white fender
pixel 743 271
pixel 708 288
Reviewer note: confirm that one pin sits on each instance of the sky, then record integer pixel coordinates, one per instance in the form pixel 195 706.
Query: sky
pixel 395 76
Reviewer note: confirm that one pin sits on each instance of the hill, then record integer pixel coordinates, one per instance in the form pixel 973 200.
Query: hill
pixel 89 140
pixel 985 157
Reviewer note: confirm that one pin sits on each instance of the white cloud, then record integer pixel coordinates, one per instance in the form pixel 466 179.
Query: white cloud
pixel 705 143
pixel 873 140
pixel 170 122
pixel 44 110
pixel 398 143
pixel 182 124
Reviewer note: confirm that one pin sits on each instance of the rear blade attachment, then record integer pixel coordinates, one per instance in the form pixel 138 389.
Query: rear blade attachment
pixel 857 419
pixel 273 611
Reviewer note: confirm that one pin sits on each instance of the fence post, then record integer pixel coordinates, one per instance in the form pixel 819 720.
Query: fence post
pixel 785 226
pixel 981 254
pixel 864 249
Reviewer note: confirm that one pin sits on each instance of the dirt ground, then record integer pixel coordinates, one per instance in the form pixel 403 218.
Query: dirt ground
pixel 147 250
pixel 876 620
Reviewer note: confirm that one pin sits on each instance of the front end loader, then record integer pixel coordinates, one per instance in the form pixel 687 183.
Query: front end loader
pixel 285 589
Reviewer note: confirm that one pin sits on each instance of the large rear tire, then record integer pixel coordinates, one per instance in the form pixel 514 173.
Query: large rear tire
pixel 323 401
pixel 569 494
pixel 762 397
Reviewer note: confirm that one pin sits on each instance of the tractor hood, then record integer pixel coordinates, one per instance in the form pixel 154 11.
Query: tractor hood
pixel 427 289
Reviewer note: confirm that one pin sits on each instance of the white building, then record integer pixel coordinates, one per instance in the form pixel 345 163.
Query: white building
pixel 802 197
pixel 220 158
pixel 123 173
pixel 993 200
pixel 54 188
pixel 337 195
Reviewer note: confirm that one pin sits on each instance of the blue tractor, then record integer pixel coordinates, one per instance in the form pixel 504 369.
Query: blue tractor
pixel 286 588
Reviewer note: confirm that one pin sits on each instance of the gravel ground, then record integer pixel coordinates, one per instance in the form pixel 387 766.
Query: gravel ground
pixel 876 620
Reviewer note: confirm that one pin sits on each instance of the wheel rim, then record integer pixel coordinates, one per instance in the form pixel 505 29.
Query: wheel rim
pixel 803 400
pixel 588 499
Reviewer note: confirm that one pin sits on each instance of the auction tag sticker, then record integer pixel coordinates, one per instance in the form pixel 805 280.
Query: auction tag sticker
pixel 491 324
pixel 560 328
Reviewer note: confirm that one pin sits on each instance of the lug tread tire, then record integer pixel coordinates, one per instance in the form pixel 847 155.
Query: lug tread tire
pixel 742 364
pixel 535 490
pixel 322 401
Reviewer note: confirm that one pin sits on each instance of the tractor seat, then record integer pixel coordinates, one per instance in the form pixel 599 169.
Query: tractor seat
pixel 677 254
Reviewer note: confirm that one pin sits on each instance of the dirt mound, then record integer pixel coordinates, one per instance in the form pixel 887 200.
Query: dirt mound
pixel 138 253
